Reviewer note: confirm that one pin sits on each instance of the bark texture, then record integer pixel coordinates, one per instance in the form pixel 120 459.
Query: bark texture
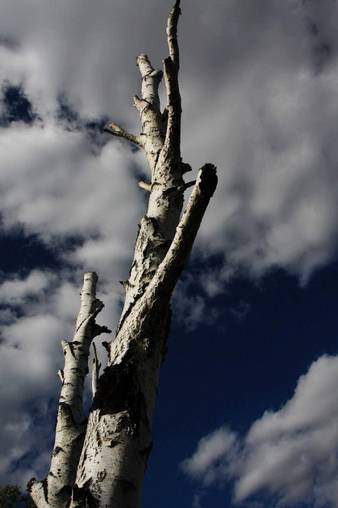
pixel 71 422
pixel 118 439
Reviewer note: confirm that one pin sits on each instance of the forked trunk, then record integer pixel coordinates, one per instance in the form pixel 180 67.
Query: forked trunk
pixel 118 439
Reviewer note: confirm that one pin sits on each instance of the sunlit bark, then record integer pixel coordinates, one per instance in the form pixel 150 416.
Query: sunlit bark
pixel 118 435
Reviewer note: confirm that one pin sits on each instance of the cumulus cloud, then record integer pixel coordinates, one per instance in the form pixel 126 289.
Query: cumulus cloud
pixel 272 121
pixel 15 290
pixel 62 188
pixel 275 203
pixel 290 454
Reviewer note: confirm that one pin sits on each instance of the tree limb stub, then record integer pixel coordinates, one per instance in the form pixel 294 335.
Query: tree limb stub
pixel 95 371
pixel 144 185
pixel 188 184
pixel 119 132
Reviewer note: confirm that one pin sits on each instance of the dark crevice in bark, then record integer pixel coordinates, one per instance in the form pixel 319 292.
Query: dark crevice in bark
pixel 45 488
pixel 65 494
pixel 119 390
pixel 106 346
pixel 57 450
pixel 126 486
pixel 82 497
pixel 66 414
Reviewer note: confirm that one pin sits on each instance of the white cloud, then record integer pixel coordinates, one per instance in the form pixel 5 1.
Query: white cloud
pixel 290 454
pixel 210 451
pixel 14 291
pixel 276 197
pixel 62 188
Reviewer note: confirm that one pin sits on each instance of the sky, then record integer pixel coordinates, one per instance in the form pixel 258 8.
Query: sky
pixel 247 412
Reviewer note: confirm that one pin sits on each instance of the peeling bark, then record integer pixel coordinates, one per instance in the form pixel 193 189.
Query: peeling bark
pixel 119 435
pixel 118 439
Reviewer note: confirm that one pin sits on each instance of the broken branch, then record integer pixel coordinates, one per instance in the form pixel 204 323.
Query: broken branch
pixel 170 269
pixel 95 371
pixel 144 185
pixel 118 131
pixel 188 184
pixel 172 33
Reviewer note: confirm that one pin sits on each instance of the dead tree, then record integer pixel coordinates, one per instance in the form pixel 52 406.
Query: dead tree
pixel 100 461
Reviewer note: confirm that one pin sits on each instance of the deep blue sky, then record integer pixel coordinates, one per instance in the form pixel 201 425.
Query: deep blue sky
pixel 230 371
pixel 235 370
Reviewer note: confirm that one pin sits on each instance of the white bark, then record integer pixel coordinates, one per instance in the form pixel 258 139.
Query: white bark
pixel 161 143
pixel 119 437
pixel 110 470
pixel 55 490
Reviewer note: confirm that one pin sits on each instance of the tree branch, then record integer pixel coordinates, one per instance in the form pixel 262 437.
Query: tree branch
pixel 172 34
pixel 164 280
pixel 171 67
pixel 151 79
pixel 95 372
pixel 172 265
pixel 119 132
pixel 188 184
pixel 144 185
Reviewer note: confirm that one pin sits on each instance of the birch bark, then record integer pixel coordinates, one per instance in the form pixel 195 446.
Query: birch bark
pixel 105 468
pixel 71 421
pixel 119 434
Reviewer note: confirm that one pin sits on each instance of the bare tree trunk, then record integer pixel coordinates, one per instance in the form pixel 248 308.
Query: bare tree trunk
pixel 119 437
pixel 71 422
pixel 114 453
